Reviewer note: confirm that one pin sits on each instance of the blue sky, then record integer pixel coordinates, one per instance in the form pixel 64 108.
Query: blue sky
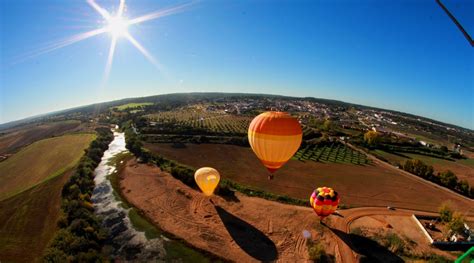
pixel 401 55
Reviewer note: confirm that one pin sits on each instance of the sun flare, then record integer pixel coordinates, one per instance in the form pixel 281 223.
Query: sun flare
pixel 117 26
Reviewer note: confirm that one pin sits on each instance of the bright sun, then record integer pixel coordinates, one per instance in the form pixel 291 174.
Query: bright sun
pixel 118 26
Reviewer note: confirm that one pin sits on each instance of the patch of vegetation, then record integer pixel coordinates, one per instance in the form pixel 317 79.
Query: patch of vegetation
pixel 81 235
pixel 317 253
pixel 142 225
pixel 133 105
pixel 334 152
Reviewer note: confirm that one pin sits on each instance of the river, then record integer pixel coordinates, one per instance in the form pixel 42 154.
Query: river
pixel 125 242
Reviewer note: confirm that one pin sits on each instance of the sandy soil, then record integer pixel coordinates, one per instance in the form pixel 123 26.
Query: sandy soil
pixel 244 230
pixel 379 184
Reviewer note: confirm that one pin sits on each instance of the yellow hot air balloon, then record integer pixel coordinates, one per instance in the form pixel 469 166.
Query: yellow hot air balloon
pixel 274 137
pixel 207 179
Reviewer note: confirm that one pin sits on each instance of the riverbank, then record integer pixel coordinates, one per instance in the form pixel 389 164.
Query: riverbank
pixel 176 248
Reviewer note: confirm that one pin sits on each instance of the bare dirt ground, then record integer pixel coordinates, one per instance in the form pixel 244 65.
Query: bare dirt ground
pixel 252 229
pixel 244 230
pixel 379 184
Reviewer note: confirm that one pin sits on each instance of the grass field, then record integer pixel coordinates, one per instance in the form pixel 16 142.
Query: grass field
pixel 15 139
pixel 41 161
pixel 359 185
pixel 214 121
pixel 28 221
pixel 464 168
pixel 132 106
pixel 333 153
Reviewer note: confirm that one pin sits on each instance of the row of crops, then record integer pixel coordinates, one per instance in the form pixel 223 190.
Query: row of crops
pixel 334 152
pixel 217 122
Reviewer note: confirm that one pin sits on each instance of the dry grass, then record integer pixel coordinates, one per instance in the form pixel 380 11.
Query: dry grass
pixel 16 138
pixel 41 161
pixel 28 221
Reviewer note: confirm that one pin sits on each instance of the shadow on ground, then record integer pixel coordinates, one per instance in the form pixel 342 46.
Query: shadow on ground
pixel 370 250
pixel 248 238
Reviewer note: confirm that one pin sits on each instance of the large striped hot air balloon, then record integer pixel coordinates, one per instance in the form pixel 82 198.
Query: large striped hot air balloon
pixel 324 201
pixel 274 137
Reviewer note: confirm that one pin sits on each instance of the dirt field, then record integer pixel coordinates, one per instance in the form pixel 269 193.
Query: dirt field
pixel 40 161
pixel 359 185
pixel 28 221
pixel 243 230
pixel 464 169
pixel 16 138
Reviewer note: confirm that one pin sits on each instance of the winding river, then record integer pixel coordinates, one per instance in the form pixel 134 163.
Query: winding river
pixel 126 243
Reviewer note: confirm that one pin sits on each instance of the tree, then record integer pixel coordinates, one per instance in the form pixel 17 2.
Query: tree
pixel 448 179
pixel 457 223
pixel 326 125
pixel 372 138
pixel 463 187
pixel 445 212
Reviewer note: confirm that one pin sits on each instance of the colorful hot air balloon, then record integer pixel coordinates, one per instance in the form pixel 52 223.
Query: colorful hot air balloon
pixel 324 201
pixel 274 137
pixel 207 179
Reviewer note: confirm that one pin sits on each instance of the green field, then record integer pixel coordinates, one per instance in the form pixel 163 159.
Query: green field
pixel 213 121
pixel 132 106
pixel 41 161
pixel 332 153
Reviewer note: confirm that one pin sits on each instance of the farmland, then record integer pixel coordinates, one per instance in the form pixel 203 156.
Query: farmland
pixel 14 139
pixel 334 152
pixel 28 221
pixel 41 161
pixel 211 121
pixel 359 185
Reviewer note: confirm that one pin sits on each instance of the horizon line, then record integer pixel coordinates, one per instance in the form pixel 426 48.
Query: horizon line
pixel 210 92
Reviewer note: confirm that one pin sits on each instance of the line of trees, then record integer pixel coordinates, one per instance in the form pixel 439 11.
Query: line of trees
pixel 81 235
pixel 447 178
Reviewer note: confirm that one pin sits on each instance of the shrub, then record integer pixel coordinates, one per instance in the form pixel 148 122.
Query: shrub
pixel 456 224
pixel 317 253
pixel 445 212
